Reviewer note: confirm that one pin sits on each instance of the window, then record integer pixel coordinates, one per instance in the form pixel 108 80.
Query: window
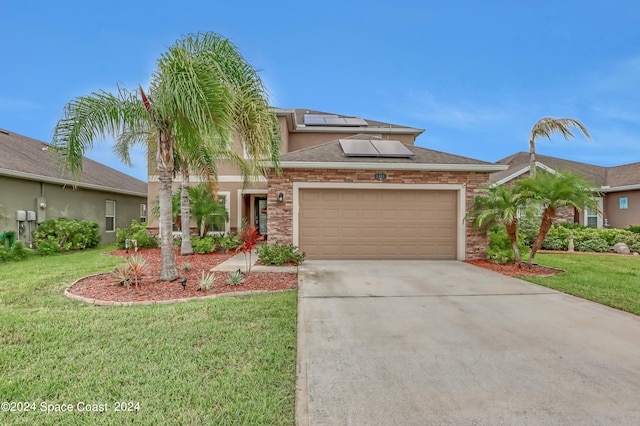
pixel 624 203
pixel 143 213
pixel 591 217
pixel 110 215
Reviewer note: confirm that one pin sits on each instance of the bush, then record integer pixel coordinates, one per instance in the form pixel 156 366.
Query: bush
pixel 595 244
pixel 500 250
pixel 279 254
pixel 634 229
pixel 528 229
pixel 202 245
pixel 631 239
pixel 18 251
pixel 137 231
pixel 64 235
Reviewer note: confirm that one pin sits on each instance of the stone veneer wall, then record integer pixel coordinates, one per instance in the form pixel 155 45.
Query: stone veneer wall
pixel 280 221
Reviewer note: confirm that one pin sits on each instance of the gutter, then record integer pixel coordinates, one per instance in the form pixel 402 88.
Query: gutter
pixel 66 182
pixel 391 166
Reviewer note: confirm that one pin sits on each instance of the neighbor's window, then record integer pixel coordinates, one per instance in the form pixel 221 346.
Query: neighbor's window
pixel 592 217
pixel 143 213
pixel 110 215
pixel 624 203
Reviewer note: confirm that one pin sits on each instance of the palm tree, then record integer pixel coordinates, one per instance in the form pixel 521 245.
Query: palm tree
pixel 552 191
pixel 202 88
pixel 207 208
pixel 498 205
pixel 545 127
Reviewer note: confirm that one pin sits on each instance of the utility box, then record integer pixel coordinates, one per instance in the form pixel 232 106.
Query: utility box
pixel 21 215
pixel 31 216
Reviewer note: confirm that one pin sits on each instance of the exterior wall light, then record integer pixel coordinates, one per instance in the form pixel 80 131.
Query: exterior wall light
pixel 280 197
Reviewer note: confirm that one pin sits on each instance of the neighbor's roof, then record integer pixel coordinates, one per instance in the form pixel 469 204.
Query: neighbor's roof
pixel 330 155
pixel 26 158
pixel 295 121
pixel 613 177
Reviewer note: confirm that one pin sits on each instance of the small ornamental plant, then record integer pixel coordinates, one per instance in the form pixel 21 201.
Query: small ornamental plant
pixel 235 278
pixel 249 238
pixel 207 281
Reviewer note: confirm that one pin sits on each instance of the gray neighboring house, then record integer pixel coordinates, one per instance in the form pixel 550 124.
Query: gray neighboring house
pixel 620 186
pixel 33 188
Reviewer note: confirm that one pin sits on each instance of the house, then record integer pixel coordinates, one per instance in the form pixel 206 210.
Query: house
pixel 33 188
pixel 620 187
pixel 352 188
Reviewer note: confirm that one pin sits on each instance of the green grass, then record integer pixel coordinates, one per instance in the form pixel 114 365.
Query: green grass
pixel 220 361
pixel 610 280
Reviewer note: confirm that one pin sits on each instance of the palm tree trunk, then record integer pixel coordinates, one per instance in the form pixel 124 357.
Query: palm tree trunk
pixel 513 237
pixel 532 157
pixel 164 160
pixel 185 212
pixel 547 221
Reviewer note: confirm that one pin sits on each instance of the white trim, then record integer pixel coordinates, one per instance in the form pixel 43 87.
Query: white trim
pixel 242 192
pixel 106 215
pixel 220 179
pixel 521 172
pixel 599 216
pixel 460 188
pixel 620 188
pixel 65 182
pixel 391 166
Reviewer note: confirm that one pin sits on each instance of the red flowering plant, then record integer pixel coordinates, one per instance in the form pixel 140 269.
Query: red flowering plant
pixel 249 237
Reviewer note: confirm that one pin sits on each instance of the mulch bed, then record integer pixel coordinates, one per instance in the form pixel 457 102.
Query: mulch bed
pixel 512 270
pixel 104 287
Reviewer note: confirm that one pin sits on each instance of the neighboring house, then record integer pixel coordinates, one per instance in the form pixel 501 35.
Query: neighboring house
pixel 358 189
pixel 620 187
pixel 33 188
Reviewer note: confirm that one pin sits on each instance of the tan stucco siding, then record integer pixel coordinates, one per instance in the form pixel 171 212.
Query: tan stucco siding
pixel 622 218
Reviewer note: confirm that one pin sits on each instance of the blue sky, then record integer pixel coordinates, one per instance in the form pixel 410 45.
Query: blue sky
pixel 475 75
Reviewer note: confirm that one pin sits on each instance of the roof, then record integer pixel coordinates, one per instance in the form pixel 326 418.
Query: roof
pixel 606 177
pixel 295 120
pixel 26 158
pixel 330 155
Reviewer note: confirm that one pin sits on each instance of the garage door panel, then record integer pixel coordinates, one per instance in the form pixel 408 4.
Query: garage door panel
pixel 377 224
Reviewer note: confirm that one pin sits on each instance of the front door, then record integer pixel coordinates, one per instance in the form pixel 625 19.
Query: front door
pixel 261 215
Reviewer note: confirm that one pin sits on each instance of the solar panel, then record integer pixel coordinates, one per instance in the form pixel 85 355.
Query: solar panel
pixel 391 148
pixel 332 120
pixel 358 148
pixel 374 148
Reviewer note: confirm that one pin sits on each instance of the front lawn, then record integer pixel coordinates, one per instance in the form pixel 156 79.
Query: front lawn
pixel 607 279
pixel 221 361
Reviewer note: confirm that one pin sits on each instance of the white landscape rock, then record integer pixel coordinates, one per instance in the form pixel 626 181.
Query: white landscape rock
pixel 621 248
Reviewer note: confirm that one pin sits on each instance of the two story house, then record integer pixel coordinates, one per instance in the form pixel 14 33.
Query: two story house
pixel 354 188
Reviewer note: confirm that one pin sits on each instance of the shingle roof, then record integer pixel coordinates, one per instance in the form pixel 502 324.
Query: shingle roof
pixel 628 174
pixel 29 158
pixel 331 152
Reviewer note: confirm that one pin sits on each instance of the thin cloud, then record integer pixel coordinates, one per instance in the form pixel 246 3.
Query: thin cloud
pixel 13 105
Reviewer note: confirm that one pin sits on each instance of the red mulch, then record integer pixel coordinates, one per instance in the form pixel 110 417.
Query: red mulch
pixel 104 287
pixel 512 270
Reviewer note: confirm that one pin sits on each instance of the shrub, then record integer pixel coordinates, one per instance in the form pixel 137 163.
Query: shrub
pixel 137 231
pixel 500 250
pixel 631 239
pixel 596 244
pixel 202 245
pixel 18 251
pixel 4 254
pixel 62 235
pixel 633 228
pixel 528 229
pixel 557 238
pixel 131 272
pixel 279 254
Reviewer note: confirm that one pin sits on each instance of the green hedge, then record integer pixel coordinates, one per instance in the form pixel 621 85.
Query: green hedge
pixel 56 235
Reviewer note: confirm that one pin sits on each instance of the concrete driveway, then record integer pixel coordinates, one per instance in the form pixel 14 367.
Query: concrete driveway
pixel 447 343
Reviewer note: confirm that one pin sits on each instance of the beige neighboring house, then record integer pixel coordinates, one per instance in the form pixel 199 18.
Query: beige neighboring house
pixel 354 188
pixel 620 187
pixel 33 188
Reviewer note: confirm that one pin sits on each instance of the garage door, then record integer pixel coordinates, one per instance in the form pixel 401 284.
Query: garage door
pixel 377 224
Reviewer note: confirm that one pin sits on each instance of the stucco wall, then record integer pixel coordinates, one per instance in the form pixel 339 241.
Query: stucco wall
pixel 65 202
pixel 622 218
pixel 280 220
